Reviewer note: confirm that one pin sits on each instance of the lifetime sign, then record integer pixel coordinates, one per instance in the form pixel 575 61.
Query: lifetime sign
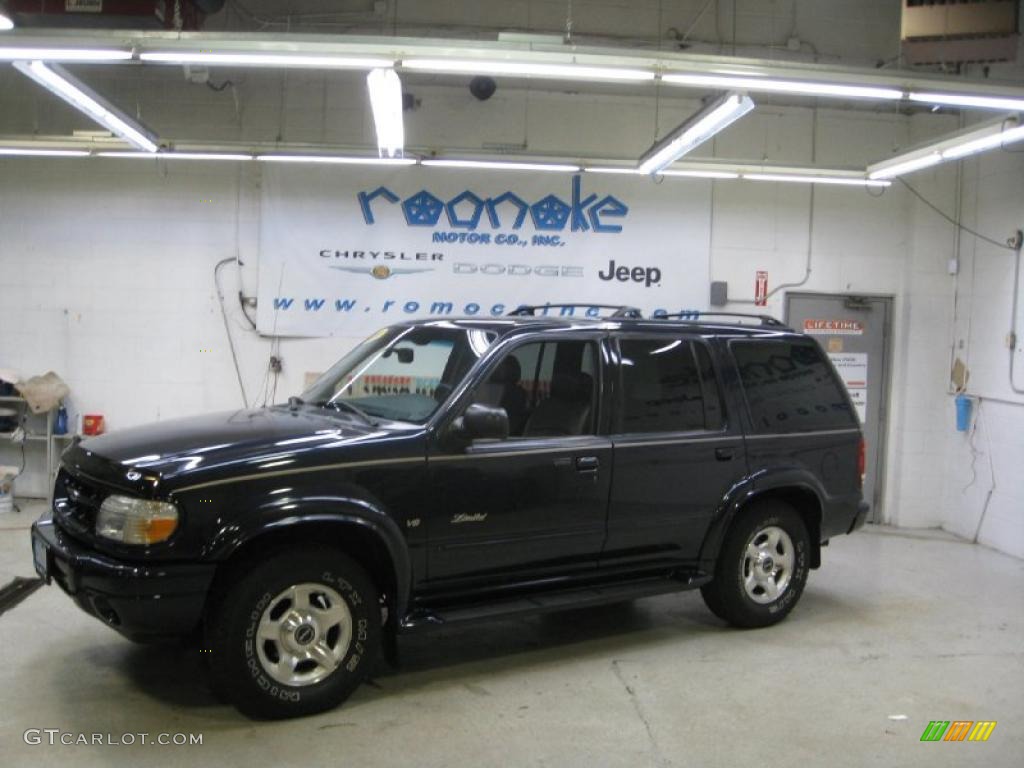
pixel 468 210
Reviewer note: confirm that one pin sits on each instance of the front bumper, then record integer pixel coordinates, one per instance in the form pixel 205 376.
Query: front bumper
pixel 139 601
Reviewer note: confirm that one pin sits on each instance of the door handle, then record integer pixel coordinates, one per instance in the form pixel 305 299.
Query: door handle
pixel 587 463
pixel 724 454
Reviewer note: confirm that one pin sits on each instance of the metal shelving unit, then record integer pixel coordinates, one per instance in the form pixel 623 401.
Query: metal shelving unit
pixel 51 440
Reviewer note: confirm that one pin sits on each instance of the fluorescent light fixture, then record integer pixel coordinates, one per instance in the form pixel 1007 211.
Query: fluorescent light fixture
pixel 897 166
pixel 60 83
pixel 684 173
pixel 527 69
pixel 27 152
pixel 961 144
pixel 177 155
pixel 695 131
pixel 771 85
pixel 1008 136
pixel 498 165
pixel 692 174
pixel 79 55
pixel 967 100
pixel 701 174
pixel 204 156
pixel 337 159
pixel 5 22
pixel 812 179
pixel 386 102
pixel 304 61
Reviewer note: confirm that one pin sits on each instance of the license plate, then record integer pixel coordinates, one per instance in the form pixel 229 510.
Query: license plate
pixel 41 559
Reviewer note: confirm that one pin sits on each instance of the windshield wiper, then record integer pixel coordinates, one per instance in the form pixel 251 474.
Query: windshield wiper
pixel 338 404
pixel 294 402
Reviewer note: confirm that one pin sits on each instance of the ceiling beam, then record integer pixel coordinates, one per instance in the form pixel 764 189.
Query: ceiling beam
pixel 399 49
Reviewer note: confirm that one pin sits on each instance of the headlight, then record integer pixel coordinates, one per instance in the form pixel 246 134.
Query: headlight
pixel 136 521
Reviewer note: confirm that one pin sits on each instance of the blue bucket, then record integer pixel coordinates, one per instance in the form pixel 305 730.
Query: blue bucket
pixel 963 412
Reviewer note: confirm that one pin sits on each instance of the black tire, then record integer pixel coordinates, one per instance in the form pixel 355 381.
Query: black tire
pixel 236 655
pixel 728 596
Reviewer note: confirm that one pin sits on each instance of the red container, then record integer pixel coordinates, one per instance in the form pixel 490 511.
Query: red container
pixel 92 424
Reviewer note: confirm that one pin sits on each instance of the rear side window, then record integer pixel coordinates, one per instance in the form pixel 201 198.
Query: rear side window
pixel 665 385
pixel 790 387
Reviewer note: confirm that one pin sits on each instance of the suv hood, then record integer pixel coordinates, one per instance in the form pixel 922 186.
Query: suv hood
pixel 199 444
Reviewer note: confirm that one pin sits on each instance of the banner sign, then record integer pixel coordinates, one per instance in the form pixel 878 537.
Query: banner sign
pixel 344 252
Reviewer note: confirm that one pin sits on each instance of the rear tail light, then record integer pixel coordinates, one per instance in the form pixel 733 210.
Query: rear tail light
pixel 862 460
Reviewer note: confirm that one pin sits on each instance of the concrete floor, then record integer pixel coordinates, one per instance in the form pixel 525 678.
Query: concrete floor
pixel 896 629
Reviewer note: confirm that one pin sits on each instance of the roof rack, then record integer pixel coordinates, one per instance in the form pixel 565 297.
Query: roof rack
pixel 696 315
pixel 618 310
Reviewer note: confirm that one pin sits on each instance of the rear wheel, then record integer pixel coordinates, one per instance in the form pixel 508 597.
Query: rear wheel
pixel 762 566
pixel 294 634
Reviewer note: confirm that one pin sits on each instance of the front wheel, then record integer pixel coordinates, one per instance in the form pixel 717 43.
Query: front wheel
pixel 762 566
pixel 293 635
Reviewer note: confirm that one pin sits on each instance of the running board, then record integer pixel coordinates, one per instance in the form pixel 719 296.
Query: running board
pixel 541 602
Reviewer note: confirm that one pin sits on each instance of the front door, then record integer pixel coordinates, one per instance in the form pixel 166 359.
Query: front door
pixel 854 332
pixel 535 502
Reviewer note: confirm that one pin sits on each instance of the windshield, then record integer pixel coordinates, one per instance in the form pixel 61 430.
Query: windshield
pixel 401 373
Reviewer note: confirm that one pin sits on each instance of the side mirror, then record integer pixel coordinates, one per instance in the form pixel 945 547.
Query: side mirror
pixel 482 422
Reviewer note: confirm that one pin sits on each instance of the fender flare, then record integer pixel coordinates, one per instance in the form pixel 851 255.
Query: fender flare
pixel 747 490
pixel 292 513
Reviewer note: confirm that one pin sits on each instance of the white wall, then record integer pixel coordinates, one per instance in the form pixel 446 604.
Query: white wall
pixel 984 488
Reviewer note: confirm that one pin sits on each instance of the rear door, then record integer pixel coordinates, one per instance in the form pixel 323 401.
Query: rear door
pixel 676 449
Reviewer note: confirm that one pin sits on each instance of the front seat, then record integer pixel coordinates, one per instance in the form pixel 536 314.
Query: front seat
pixel 503 390
pixel 567 411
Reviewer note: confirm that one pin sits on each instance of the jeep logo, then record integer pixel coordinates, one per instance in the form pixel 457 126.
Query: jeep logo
pixel 647 275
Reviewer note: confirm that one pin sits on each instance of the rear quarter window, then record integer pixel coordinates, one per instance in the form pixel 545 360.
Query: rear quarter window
pixel 791 387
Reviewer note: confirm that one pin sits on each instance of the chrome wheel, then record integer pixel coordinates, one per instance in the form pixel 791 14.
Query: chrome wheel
pixel 767 565
pixel 304 634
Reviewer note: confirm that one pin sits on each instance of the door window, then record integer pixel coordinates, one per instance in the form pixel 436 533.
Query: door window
pixel 714 413
pixel 548 389
pixel 664 389
pixel 402 373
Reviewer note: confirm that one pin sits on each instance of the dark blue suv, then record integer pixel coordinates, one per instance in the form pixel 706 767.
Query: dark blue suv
pixel 461 469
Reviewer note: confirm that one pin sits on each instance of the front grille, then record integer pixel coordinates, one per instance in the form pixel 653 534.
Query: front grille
pixel 76 502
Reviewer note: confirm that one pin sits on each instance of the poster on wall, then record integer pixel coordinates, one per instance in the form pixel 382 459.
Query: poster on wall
pixel 345 250
pixel 852 368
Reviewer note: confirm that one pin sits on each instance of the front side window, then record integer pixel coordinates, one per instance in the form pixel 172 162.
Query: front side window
pixel 790 387
pixel 401 373
pixel 548 389
pixel 663 388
